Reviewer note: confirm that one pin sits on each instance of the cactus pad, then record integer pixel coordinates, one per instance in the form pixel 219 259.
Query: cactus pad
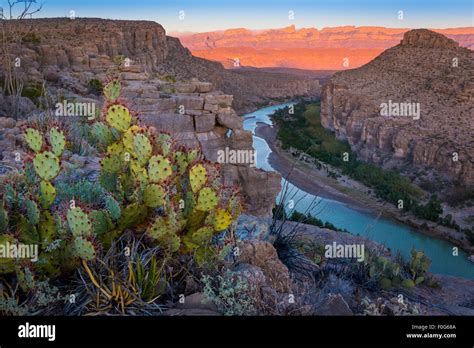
pixel 113 207
pixel 57 141
pixel 115 149
pixel 112 90
pixel 128 136
pixel 111 163
pixel 202 236
pixel 7 265
pixel 142 148
pixel 153 196
pixel 32 212
pixel 223 219
pixel 46 165
pixel 79 222
pixel 102 133
pixel 34 139
pixel 3 219
pixel 197 177
pixel 47 194
pixel 181 161
pixel 118 117
pixel 159 168
pixel 207 199
pixel 164 234
pixel 47 228
pixel 84 249
pixel 164 142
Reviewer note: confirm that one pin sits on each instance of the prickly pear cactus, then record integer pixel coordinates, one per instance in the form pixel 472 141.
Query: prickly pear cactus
pixel 207 199
pixel 112 90
pixel 47 194
pixel 84 249
pixel 159 168
pixel 47 228
pixel 57 141
pixel 113 207
pixel 119 117
pixel 164 234
pixel 7 265
pixel 142 148
pixel 153 196
pixel 222 220
pixel 197 177
pixel 102 133
pixel 181 161
pixel 202 236
pixel 3 219
pixel 32 212
pixel 164 142
pixel 79 222
pixel 101 222
pixel 34 139
pixel 46 165
pixel 111 164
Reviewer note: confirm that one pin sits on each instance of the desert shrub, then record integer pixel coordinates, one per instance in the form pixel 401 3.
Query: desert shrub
pixel 231 293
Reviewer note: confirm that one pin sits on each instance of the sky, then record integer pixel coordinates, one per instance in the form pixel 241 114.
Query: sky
pixel 210 15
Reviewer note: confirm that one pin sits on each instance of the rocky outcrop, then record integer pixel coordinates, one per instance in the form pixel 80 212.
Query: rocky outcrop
pixel 304 48
pixel 426 72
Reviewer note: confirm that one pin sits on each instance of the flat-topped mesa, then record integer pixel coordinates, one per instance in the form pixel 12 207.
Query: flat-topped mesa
pixel 428 82
pixel 424 38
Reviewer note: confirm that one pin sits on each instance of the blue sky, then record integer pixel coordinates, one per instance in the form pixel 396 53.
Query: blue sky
pixel 207 15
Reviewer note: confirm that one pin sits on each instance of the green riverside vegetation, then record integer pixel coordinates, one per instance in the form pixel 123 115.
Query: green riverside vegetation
pixel 303 131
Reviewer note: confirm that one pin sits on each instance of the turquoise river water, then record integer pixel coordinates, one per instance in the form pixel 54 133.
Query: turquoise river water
pixel 396 236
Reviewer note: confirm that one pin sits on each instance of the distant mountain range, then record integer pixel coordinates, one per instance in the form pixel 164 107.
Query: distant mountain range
pixel 336 48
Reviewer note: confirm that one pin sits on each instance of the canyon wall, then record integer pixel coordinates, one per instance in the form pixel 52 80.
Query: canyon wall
pixel 425 69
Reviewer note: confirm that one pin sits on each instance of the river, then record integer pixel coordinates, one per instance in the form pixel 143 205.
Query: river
pixel 396 236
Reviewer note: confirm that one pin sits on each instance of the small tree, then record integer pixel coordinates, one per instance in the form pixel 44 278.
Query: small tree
pixel 12 34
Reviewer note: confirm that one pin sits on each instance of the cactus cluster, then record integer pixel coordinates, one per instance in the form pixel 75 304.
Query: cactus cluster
pixel 152 187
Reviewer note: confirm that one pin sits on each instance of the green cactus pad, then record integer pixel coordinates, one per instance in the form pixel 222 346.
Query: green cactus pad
pixel 164 142
pixel 112 164
pixel 164 234
pixel 181 161
pixel 46 165
pixel 159 168
pixel 202 236
pixel 115 149
pixel 32 212
pixel 7 265
pixel 34 139
pixel 118 117
pixel 153 196
pixel 138 172
pixel 408 283
pixel 102 133
pixel 47 194
pixel 57 141
pixel 101 222
pixel 112 90
pixel 84 249
pixel 222 220
pixel 47 228
pixel 207 199
pixel 197 177
pixel 192 155
pixel 132 215
pixel 79 222
pixel 113 207
pixel 142 148
pixel 3 219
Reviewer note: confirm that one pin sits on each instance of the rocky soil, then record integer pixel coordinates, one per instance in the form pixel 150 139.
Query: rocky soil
pixel 425 68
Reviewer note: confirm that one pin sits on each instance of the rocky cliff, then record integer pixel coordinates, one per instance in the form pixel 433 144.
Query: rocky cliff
pixel 304 48
pixel 161 81
pixel 411 105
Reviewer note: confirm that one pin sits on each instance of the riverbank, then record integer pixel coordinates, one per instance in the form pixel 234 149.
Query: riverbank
pixel 307 177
